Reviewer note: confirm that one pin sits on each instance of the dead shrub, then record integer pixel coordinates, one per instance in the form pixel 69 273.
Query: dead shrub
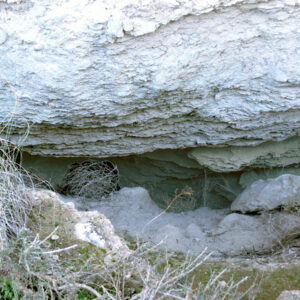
pixel 91 179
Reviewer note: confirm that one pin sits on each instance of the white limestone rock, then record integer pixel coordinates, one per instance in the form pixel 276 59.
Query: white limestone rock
pixel 109 78
pixel 235 235
pixel 286 226
pixel 265 195
pixel 89 226
pixel 240 234
pixel 289 295
pixel 133 213
pixel 171 236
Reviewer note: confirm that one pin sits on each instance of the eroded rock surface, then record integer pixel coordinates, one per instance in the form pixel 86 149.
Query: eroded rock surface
pixel 241 234
pixel 265 195
pixel 110 78
pixel 89 226
pixel 132 212
pixel 289 295
pixel 266 155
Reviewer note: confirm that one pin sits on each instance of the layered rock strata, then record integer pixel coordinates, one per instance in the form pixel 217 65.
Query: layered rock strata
pixel 166 173
pixel 111 78
pixel 206 92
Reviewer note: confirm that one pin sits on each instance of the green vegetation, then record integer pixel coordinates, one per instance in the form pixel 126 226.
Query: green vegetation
pixel 270 281
pixel 8 289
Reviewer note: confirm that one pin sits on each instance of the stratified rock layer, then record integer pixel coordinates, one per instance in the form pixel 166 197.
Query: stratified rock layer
pixel 266 155
pixel 111 78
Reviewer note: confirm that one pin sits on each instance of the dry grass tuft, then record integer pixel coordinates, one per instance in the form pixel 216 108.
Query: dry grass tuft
pixel 91 179
pixel 15 205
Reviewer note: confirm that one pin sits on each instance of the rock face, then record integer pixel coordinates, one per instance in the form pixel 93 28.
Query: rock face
pixel 289 295
pixel 267 155
pixel 111 78
pixel 283 191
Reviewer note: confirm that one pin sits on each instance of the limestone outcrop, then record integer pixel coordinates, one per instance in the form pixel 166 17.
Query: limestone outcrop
pixel 289 295
pixel 89 226
pixel 112 78
pixel 265 195
pixel 266 155
pixel 132 212
pixel 238 233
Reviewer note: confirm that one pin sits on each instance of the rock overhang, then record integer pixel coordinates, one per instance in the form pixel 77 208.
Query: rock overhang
pixel 111 78
pixel 190 91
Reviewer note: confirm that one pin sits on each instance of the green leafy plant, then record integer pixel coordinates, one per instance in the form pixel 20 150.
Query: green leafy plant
pixel 84 294
pixel 8 289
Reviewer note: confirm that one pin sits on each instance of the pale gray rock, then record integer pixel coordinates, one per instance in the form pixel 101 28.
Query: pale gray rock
pixel 285 226
pixel 237 221
pixel 171 236
pixel 240 234
pixel 267 155
pixel 194 231
pixel 289 295
pixel 265 195
pixel 133 213
pixel 89 226
pixel 110 78
pixel 237 234
pixel 3 37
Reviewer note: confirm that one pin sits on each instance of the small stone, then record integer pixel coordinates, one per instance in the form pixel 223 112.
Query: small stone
pixel 54 237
